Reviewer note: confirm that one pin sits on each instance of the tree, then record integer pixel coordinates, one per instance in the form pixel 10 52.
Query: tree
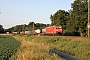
pixel 24 27
pixel 79 16
pixel 30 25
pixel 74 22
pixel 61 17
pixel 1 29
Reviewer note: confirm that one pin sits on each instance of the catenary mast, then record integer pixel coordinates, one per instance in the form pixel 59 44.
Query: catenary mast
pixel 88 18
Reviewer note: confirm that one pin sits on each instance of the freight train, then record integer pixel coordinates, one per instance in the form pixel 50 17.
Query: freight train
pixel 52 30
pixel 35 32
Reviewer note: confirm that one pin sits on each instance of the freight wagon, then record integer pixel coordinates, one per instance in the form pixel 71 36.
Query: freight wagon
pixel 22 32
pixel 55 30
pixel 15 32
pixel 35 32
pixel 28 32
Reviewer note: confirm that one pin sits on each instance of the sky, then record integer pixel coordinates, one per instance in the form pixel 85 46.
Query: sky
pixel 17 12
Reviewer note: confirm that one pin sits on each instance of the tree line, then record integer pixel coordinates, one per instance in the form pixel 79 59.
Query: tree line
pixel 29 27
pixel 73 21
pixel 24 27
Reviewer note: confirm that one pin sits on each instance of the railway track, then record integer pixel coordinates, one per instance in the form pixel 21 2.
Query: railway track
pixel 76 37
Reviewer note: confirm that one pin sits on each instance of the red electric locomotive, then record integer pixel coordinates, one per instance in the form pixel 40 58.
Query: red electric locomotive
pixel 55 30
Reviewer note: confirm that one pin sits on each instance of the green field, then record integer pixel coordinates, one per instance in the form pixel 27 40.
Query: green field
pixel 37 47
pixel 78 48
pixel 8 47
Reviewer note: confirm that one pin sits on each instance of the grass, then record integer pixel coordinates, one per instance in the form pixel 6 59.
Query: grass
pixel 37 47
pixel 31 50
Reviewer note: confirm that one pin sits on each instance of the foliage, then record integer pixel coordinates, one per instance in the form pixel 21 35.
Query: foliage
pixel 79 16
pixel 78 48
pixel 1 29
pixel 73 21
pixel 8 47
pixel 29 27
pixel 60 18
pixel 31 50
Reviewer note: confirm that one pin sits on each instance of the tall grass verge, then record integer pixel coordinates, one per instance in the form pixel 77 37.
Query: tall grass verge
pixel 37 47
pixel 31 50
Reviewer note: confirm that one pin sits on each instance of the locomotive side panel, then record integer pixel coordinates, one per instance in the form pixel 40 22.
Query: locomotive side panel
pixel 51 30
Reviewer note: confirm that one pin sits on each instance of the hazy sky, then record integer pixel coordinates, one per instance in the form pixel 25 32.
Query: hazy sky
pixel 15 12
